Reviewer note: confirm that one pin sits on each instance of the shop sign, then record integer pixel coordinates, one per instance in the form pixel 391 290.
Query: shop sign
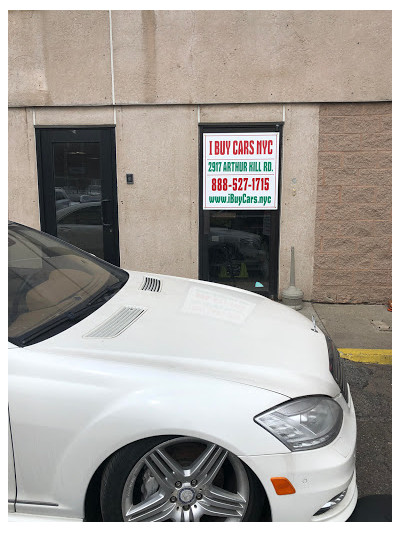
pixel 240 171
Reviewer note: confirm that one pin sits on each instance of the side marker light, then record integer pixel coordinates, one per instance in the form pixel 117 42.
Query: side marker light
pixel 282 486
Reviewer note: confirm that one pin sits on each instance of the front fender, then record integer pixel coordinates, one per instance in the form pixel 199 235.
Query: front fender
pixel 79 413
pixel 221 412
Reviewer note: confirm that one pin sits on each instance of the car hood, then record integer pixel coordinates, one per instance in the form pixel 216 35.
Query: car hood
pixel 208 329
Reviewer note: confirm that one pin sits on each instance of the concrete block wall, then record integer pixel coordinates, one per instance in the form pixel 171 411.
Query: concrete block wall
pixel 352 261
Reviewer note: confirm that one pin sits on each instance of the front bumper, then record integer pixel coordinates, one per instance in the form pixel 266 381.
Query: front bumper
pixel 317 476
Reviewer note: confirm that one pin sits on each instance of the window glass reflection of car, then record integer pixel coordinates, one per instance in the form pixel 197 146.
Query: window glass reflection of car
pixel 62 198
pixel 229 246
pixel 82 226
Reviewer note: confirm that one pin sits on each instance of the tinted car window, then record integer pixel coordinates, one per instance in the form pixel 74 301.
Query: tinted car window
pixel 49 279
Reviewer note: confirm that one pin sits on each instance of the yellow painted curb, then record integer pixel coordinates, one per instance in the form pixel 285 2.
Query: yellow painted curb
pixel 361 355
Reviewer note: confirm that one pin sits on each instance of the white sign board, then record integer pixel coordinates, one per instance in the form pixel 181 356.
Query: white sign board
pixel 240 170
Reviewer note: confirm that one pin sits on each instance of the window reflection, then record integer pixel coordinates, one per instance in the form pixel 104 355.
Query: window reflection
pixel 78 195
pixel 239 249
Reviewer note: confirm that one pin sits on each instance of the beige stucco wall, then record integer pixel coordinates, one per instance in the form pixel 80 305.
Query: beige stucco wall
pixel 74 116
pixel 198 57
pixel 298 199
pixel 59 58
pixel 158 214
pixel 23 194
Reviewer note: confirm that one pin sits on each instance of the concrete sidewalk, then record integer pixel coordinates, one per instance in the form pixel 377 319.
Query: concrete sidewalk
pixel 361 332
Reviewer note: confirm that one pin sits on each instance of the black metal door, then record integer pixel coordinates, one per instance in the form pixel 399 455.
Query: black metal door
pixel 239 247
pixel 78 189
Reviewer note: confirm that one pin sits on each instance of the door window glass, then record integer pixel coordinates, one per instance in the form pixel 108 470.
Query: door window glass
pixel 90 216
pixel 77 180
pixel 239 249
pixel 84 215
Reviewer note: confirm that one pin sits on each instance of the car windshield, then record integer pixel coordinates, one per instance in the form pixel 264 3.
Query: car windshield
pixel 49 281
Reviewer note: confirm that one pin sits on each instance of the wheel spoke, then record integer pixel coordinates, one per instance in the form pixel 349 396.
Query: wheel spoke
pixel 187 516
pixel 155 509
pixel 220 502
pixel 208 464
pixel 165 469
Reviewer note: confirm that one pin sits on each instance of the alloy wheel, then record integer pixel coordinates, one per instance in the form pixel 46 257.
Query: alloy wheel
pixel 186 480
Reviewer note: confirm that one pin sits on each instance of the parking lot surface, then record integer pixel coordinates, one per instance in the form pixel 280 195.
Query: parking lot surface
pixel 371 389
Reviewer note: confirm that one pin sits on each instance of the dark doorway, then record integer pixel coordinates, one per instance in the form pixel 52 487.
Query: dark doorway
pixel 238 246
pixel 78 189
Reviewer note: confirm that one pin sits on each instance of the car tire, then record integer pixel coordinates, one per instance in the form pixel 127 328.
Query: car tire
pixel 179 479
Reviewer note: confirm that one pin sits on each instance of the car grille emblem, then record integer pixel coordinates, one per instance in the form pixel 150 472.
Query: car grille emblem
pixel 314 328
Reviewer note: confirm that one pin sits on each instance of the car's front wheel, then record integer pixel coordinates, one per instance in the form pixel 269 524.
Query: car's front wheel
pixel 178 479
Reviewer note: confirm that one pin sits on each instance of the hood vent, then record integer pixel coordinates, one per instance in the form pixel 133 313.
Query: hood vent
pixel 117 323
pixel 151 284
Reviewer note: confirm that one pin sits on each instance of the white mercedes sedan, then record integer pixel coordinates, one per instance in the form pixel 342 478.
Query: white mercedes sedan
pixel 138 397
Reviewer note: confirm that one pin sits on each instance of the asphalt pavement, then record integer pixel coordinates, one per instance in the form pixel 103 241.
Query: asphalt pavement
pixel 370 386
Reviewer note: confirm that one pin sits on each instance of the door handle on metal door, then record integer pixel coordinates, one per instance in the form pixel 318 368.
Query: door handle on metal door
pixel 106 213
pixel 206 225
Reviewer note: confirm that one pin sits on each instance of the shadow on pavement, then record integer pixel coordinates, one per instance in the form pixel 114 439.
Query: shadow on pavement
pixel 375 508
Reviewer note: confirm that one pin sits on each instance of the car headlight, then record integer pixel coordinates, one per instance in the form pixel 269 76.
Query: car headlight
pixel 304 423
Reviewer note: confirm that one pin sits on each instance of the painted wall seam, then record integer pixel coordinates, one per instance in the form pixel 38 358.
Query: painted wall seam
pixel 112 59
